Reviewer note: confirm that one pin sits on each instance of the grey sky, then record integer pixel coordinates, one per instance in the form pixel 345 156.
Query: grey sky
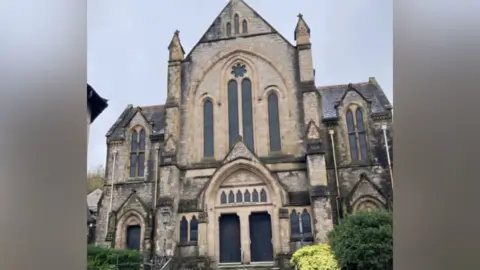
pixel 127 46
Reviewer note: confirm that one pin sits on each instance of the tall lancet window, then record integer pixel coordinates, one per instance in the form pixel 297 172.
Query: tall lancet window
pixel 233 129
pixel 357 138
pixel 208 134
pixel 240 114
pixel 137 152
pixel 236 24
pixel 274 123
pixel 247 113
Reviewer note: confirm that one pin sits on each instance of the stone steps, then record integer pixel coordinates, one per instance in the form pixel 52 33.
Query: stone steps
pixel 252 266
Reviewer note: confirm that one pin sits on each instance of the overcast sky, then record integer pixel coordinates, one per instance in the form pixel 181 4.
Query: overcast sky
pixel 128 39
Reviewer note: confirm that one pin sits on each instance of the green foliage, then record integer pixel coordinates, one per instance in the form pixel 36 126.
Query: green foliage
pixel 364 241
pixel 94 178
pixel 100 258
pixel 316 257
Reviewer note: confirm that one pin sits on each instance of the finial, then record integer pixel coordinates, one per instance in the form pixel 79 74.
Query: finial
pixel 176 32
pixel 300 15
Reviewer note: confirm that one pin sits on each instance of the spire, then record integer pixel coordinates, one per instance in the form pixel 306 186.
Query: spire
pixel 175 48
pixel 302 31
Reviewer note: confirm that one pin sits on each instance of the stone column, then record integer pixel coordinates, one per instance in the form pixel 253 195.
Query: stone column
pixel 284 230
pixel 202 234
pixel 245 235
pixel 319 192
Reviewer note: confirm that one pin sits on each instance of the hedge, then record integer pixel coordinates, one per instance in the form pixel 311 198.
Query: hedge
pixel 364 241
pixel 100 258
pixel 316 257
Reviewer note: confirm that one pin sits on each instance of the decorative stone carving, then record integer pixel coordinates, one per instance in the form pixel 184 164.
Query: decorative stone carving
pixel 240 150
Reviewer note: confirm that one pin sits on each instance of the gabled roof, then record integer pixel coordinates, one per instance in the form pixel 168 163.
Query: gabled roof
pixel 213 32
pixel 153 114
pixel 332 95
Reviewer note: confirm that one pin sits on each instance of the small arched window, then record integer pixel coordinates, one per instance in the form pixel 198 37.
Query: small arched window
pixel 208 134
pixel 263 195
pixel 294 225
pixel 194 229
pixel 229 29
pixel 306 223
pixel 236 24
pixel 184 230
pixel 247 196
pixel 239 197
pixel 255 196
pixel 356 134
pixel 137 152
pixel 244 27
pixel 231 197
pixel 223 198
pixel 274 123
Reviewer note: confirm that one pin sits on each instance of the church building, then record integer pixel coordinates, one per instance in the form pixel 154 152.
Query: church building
pixel 247 159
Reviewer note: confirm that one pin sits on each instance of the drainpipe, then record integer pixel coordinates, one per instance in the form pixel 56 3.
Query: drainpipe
pixel 111 188
pixel 384 128
pixel 331 132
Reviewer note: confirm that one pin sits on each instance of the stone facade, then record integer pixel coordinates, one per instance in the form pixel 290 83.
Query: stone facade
pixel 297 179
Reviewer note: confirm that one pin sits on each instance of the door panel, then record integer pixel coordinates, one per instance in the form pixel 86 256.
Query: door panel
pixel 230 251
pixel 261 248
pixel 133 237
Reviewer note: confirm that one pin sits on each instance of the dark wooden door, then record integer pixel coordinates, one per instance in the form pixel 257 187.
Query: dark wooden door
pixel 261 248
pixel 230 251
pixel 133 237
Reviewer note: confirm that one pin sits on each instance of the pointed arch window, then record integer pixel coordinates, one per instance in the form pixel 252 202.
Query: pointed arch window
pixel 137 152
pixel 294 225
pixel 184 230
pixel 356 134
pixel 239 197
pixel 233 129
pixel 244 27
pixel 240 104
pixel 274 123
pixel 194 229
pixel 255 196
pixel 263 195
pixel 236 24
pixel 231 197
pixel 229 29
pixel 306 223
pixel 247 113
pixel 208 134
pixel 223 198
pixel 247 196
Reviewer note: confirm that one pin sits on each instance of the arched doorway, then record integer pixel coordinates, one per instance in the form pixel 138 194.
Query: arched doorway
pixel 243 202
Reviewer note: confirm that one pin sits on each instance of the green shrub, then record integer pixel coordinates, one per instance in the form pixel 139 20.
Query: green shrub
pixel 316 257
pixel 100 258
pixel 364 241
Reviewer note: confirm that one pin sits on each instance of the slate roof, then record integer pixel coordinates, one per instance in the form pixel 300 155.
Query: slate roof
pixel 154 114
pixel 333 95
pixel 93 198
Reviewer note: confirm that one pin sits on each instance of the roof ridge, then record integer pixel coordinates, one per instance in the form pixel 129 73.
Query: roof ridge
pixel 337 85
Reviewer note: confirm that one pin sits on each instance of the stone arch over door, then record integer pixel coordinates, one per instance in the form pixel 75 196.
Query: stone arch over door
pixel 210 202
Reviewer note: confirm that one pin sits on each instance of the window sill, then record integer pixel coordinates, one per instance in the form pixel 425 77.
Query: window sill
pixel 188 244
